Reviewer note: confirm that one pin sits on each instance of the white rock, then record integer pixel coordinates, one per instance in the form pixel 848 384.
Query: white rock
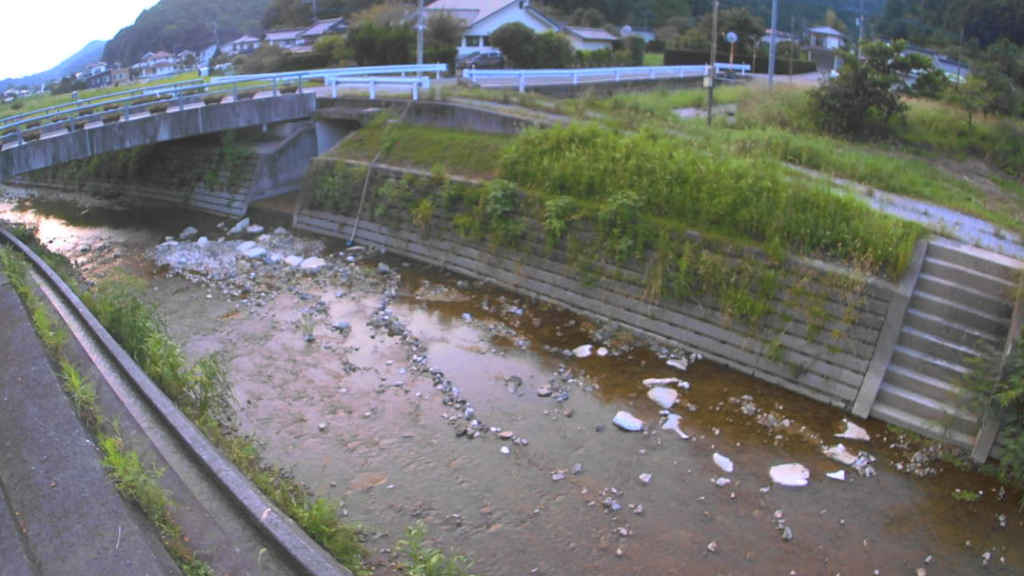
pixel 602 351
pixel 505 450
pixel 790 474
pixel 661 381
pixel 837 475
pixel 280 231
pixel 255 252
pixel 679 363
pixel 840 454
pixel 188 233
pixel 238 228
pixel 723 481
pixel 628 422
pixel 275 257
pixel 312 264
pixel 645 478
pixel 203 241
pixel 854 432
pixel 254 229
pixel 582 351
pixel 244 246
pixel 672 423
pixel 664 397
pixel 293 260
pixel 724 463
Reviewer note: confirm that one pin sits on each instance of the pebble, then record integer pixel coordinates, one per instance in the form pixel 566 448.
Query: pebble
pixel 188 233
pixel 505 450
pixel 664 397
pixel 628 422
pixel 506 435
pixel 254 229
pixel 556 476
pixel 544 391
pixel 787 534
pixel 645 478
pixel 713 547
pixel 322 426
pixel 723 462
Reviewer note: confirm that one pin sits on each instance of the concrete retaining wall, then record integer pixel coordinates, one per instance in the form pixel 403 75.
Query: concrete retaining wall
pixel 281 170
pixel 427 113
pixel 827 362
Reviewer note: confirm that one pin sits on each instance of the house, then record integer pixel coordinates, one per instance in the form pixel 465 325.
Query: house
pixel 482 17
pixel 322 28
pixel 119 75
pixel 588 38
pixel 96 75
pixel 826 37
pixel 155 64
pixel 284 39
pixel 186 59
pixel 244 45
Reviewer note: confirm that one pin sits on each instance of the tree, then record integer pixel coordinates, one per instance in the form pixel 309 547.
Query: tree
pixel 287 14
pixel 443 31
pixel 334 47
pixel 382 45
pixel 833 21
pixel 749 28
pixel 552 50
pixel 385 15
pixel 868 93
pixel 673 28
pixel 517 42
pixel 972 97
pixel 931 83
pixel 587 17
pixel 665 10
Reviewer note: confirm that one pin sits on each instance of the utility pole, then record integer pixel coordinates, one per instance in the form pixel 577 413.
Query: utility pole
pixel 959 57
pixel 771 49
pixel 792 45
pixel 419 35
pixel 860 30
pixel 714 50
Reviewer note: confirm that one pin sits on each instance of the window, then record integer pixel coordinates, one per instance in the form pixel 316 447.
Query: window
pixel 486 40
pixel 472 40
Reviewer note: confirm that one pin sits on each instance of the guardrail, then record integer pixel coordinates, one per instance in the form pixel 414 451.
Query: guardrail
pixel 617 74
pixel 75 105
pixel 78 114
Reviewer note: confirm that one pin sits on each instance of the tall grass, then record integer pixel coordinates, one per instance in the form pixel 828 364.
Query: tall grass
pixel 708 189
pixel 48 328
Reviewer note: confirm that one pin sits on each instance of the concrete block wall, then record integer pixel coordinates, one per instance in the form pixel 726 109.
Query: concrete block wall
pixel 827 362
pixel 173 174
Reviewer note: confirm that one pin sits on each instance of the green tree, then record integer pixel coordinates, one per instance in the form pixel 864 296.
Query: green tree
pixel 552 50
pixel 972 97
pixel 334 47
pixel 587 17
pixel 833 21
pixel 517 42
pixel 749 28
pixel 375 45
pixel 868 93
pixel 443 31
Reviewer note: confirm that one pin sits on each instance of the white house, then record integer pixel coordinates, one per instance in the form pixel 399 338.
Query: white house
pixel 285 39
pixel 155 64
pixel 826 37
pixel 483 17
pixel 243 45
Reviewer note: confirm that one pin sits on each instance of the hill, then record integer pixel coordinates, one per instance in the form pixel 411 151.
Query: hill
pixel 176 25
pixel 92 52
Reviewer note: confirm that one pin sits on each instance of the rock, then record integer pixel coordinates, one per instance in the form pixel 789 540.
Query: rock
pixel 723 481
pixel 628 422
pixel 582 351
pixel 556 476
pixel 645 478
pixel 255 252
pixel 322 426
pixel 639 509
pixel 355 249
pixel 680 363
pixel 274 258
pixel 787 534
pixel 254 229
pixel 723 462
pixel 854 432
pixel 922 572
pixel 664 397
pixel 602 351
pixel 840 454
pixel 544 391
pixel 713 547
pixel 568 412
pixel 188 233
pixel 312 264
pixel 672 423
pixel 461 429
pixel 661 381
pixel 837 475
pixel 341 326
pixel 506 435
pixel 599 428
pixel 203 241
pixel 505 450
pixel 239 227
pixel 279 231
pixel 790 474
pixel 293 260
pixel 576 469
pixel 83 248
pixel 383 268
pixel 245 246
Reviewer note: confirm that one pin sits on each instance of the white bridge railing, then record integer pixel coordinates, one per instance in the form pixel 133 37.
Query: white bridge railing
pixel 585 75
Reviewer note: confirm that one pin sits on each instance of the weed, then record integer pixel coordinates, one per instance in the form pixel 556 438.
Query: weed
pixel 82 394
pixel 966 495
pixel 423 213
pixel 428 561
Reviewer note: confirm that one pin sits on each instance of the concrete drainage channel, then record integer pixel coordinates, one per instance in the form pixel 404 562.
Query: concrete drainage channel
pixel 225 494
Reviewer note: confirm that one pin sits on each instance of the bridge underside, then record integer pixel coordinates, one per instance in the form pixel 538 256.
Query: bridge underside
pixel 57 149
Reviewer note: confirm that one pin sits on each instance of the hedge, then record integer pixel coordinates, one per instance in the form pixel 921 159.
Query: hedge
pixel 693 57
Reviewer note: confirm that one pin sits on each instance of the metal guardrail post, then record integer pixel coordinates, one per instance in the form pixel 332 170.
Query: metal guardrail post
pixel 299 90
pixel 682 72
pixel 273 86
pixel 618 74
pixel 21 141
pixel 234 91
pixel 426 82
pixel 334 87
pixel 575 78
pixel 181 100
pixel 437 73
pixel 373 89
pixel 522 81
pixel 416 91
pixel 653 72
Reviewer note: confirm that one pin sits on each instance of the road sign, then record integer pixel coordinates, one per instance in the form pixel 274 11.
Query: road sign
pixel 731 37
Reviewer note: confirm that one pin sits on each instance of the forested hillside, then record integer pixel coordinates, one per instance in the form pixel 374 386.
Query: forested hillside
pixel 938 22
pixel 176 25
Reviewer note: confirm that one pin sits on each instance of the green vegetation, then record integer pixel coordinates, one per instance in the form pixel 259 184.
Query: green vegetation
pixel 966 495
pixel 472 154
pixel 654 59
pixel 49 329
pixel 428 561
pixel 706 189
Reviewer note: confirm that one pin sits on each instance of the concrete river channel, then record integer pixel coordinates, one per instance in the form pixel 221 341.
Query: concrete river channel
pixel 529 475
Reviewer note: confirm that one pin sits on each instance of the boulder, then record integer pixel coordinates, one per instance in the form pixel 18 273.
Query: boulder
pixel 312 264
pixel 254 229
pixel 664 397
pixel 188 233
pixel 790 474
pixel 239 228
pixel 293 260
pixel 203 241
pixel 628 422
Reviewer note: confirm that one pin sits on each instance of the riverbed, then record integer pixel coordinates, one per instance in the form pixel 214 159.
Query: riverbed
pixel 426 396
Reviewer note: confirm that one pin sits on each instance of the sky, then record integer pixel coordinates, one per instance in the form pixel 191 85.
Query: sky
pixel 36 35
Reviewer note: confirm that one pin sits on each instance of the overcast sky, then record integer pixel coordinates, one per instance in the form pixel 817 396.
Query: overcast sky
pixel 36 35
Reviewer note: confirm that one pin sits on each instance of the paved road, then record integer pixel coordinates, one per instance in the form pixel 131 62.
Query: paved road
pixel 59 514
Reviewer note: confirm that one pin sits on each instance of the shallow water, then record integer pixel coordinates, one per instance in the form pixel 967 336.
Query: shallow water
pixel 391 454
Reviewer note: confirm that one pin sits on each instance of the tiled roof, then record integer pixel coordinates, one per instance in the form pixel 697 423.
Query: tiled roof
pixel 592 33
pixel 283 34
pixel 826 30
pixel 462 8
pixel 321 27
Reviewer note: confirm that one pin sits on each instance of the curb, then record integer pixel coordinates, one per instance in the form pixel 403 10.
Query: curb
pixel 302 552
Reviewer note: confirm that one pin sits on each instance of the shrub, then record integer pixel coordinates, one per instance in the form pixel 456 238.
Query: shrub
pixel 289 89
pixel 111 118
pixel 212 100
pixel 109 107
pixel 80 125
pixel 33 135
pixel 85 112
pixel 382 45
pixel 158 108
pixel 246 95
pixel 33 124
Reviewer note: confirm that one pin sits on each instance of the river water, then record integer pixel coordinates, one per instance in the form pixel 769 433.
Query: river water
pixel 357 418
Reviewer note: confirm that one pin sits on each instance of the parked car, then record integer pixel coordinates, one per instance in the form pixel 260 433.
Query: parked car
pixel 481 60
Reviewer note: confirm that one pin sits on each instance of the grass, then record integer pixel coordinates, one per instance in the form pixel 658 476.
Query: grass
pixel 461 152
pixel 47 327
pixel 39 101
pixel 652 59
pixel 426 560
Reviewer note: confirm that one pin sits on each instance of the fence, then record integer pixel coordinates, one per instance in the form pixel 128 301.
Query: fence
pixel 577 75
